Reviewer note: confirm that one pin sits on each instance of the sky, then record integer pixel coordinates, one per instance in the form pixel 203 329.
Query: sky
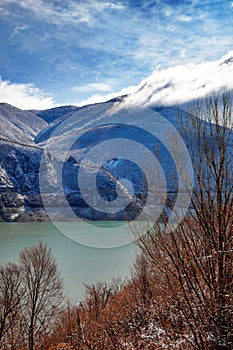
pixel 56 52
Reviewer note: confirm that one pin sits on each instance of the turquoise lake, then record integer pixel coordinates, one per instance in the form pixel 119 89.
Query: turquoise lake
pixel 79 260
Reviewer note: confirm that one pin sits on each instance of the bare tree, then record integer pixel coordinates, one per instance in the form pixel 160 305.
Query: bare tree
pixel 10 296
pixel 141 277
pixel 196 258
pixel 43 287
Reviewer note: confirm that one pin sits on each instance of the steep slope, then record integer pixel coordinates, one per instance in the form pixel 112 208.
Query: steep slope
pixel 19 162
pixel 19 183
pixel 19 126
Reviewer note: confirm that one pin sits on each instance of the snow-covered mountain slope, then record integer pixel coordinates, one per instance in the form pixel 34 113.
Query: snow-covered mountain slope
pixel 20 162
pixel 50 115
pixel 53 114
pixel 76 123
pixel 19 126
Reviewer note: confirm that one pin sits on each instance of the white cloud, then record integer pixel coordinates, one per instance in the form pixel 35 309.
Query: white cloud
pixel 97 98
pixel 24 96
pixel 18 29
pixel 183 53
pixel 176 85
pixel 104 5
pixel 183 83
pixel 93 86
pixel 69 11
pixel 184 18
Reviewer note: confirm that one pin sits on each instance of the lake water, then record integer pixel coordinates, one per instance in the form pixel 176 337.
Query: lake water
pixel 78 263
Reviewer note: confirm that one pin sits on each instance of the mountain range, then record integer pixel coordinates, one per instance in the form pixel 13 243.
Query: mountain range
pixel 41 155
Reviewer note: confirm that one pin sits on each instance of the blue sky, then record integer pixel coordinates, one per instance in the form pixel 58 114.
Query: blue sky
pixel 65 51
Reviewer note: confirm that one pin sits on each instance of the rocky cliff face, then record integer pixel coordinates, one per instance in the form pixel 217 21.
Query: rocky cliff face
pixel 19 185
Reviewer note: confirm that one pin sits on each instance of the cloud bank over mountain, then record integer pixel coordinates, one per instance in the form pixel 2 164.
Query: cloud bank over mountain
pixel 175 85
pixel 179 84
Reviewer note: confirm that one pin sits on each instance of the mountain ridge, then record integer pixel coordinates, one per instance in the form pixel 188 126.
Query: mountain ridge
pixel 23 143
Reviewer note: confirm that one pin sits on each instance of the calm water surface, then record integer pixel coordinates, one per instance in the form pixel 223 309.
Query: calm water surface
pixel 78 263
